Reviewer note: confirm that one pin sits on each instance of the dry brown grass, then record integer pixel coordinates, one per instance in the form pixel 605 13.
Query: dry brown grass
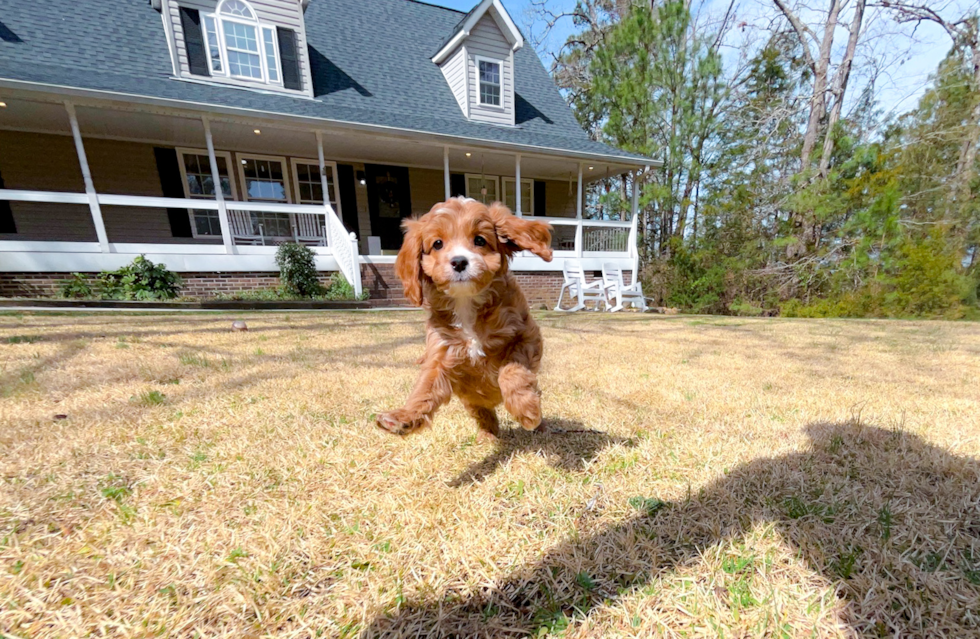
pixel 750 478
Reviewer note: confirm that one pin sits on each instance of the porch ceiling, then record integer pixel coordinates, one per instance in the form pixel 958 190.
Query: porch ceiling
pixel 164 128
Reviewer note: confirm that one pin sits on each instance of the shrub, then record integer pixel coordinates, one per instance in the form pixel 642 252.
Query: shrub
pixel 341 289
pixel 297 270
pixel 140 280
pixel 77 286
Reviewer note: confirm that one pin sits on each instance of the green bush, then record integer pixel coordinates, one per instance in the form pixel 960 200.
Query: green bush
pixel 140 280
pixel 77 286
pixel 341 289
pixel 297 270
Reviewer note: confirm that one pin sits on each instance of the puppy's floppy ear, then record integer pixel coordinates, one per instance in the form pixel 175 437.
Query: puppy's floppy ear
pixel 408 264
pixel 518 234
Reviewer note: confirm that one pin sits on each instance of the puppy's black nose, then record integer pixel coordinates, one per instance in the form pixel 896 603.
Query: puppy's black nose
pixel 459 263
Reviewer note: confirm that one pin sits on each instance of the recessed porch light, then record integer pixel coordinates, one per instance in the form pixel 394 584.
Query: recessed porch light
pixel 2 104
pixel 591 167
pixel 257 131
pixel 468 154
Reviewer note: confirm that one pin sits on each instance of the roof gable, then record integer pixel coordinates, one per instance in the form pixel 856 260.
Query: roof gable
pixel 471 19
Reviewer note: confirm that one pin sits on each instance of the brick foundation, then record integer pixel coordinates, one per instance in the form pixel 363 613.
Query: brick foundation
pixel 378 279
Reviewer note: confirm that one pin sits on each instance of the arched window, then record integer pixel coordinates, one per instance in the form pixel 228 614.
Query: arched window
pixel 240 46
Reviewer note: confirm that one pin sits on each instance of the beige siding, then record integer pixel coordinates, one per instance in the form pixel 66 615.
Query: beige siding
pixel 557 200
pixel 453 68
pixel 428 188
pixel 487 41
pixel 283 13
pixel 44 163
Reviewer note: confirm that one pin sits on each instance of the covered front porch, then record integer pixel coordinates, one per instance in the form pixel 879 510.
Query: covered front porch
pixel 90 184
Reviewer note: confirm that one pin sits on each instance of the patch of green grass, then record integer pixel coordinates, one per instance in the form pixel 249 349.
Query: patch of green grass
pixel 586 582
pixel 845 563
pixel 192 359
pixel 649 506
pixel 236 554
pixel 23 339
pixel 148 398
pixel 885 522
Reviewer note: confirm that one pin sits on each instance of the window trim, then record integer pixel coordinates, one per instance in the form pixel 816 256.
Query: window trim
pixel 294 162
pixel 480 176
pixel 479 94
pixel 525 210
pixel 269 158
pixel 259 27
pixel 181 151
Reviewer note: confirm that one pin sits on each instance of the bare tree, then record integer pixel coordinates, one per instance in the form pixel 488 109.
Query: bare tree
pixel 817 53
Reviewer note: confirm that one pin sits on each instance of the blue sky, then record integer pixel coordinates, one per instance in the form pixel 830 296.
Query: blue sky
pixel 908 62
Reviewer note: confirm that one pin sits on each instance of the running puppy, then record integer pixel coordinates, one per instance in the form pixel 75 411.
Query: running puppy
pixel 481 342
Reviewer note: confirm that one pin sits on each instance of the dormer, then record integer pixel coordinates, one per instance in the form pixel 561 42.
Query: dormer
pixel 477 61
pixel 258 44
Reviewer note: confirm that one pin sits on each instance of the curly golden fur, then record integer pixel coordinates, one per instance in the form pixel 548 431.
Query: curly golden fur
pixel 481 343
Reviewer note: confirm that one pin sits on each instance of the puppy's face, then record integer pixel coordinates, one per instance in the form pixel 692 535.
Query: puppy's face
pixel 460 246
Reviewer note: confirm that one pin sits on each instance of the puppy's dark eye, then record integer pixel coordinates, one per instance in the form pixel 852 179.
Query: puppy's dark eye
pixel 479 240
pixel 437 245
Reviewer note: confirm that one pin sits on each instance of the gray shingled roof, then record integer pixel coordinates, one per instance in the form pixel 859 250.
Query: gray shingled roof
pixel 371 63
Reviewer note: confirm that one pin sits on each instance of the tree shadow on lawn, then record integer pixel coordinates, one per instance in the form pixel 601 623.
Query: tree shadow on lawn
pixel 567 446
pixel 893 521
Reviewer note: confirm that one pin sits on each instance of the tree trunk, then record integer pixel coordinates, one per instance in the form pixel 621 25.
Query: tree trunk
pixel 840 87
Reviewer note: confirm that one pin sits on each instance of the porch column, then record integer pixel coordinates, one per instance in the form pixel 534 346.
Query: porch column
pixel 93 198
pixel 219 194
pixel 323 185
pixel 517 195
pixel 578 214
pixel 635 234
pixel 445 171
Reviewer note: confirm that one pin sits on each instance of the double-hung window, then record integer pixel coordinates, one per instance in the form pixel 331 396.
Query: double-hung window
pixel 309 188
pixel 264 180
pixel 527 195
pixel 195 169
pixel 489 77
pixel 239 46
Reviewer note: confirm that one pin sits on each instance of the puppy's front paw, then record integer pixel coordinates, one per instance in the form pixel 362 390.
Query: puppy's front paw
pixel 399 422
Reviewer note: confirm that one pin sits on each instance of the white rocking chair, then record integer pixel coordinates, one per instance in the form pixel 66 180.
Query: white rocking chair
pixel 578 288
pixel 612 280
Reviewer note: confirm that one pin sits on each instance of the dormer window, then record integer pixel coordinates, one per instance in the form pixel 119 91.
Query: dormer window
pixel 489 81
pixel 234 46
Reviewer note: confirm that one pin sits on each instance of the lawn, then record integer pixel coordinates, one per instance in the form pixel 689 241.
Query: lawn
pixel 163 475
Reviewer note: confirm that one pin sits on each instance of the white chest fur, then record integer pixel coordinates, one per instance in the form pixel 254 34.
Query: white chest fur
pixel 465 314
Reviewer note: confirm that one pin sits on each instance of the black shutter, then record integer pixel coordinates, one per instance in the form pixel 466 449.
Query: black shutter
pixel 539 204
pixel 197 53
pixel 348 197
pixel 457 185
pixel 170 184
pixel 7 224
pixel 290 59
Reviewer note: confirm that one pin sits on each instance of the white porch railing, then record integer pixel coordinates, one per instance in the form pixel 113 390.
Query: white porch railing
pixel 591 238
pixel 313 225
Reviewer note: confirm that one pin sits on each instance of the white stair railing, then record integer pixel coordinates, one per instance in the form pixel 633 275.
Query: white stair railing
pixel 343 249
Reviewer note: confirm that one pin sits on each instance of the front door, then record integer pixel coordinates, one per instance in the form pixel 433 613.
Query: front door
pixel 389 200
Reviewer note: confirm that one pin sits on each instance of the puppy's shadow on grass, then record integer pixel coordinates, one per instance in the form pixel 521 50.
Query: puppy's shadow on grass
pixel 567 445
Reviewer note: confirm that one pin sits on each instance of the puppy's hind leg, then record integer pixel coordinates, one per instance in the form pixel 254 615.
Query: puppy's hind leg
pixel 431 391
pixel 519 386
pixel 486 421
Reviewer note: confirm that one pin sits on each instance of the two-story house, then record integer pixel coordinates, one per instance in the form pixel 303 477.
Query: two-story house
pixel 201 133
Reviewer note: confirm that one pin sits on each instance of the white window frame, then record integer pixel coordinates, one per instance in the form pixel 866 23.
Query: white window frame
pixel 479 94
pixel 181 151
pixel 259 27
pixel 295 162
pixel 526 206
pixel 479 176
pixel 268 158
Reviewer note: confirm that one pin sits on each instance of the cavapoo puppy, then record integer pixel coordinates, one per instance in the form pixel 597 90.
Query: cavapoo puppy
pixel 481 343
